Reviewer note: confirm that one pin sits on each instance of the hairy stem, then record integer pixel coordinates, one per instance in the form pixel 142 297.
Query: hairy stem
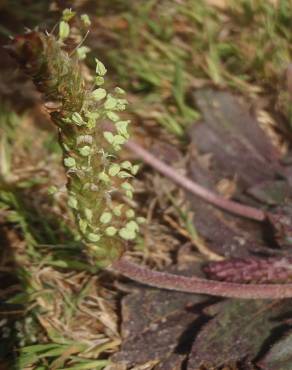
pixel 196 285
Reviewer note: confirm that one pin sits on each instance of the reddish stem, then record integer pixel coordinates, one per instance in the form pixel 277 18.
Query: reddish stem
pixel 185 284
pixel 184 182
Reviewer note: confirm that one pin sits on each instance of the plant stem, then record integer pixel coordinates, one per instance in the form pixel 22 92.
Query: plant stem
pixel 196 285
pixel 194 188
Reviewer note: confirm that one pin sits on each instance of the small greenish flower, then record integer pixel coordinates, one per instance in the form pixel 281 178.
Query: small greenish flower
pixel 135 169
pixel 114 169
pixel 64 30
pixel 99 94
pixel 85 20
pixel 103 177
pixel 109 136
pixel 127 186
pixel 129 194
pixel 69 162
pixel 127 234
pixel 100 68
pixel 76 118
pixel 82 52
pixel 117 211
pixel 132 225
pixel 110 102
pixel 127 165
pixel 121 104
pixel 85 151
pixel 111 231
pixel 99 80
pixel 92 237
pixel 141 220
pixel 112 116
pixel 122 127
pixel 72 202
pixel 52 190
pixel 130 213
pixel 88 214
pixel 124 174
pixel 120 91
pixel 119 140
pixel 83 225
pixel 105 218
pixel 68 14
pixel 84 139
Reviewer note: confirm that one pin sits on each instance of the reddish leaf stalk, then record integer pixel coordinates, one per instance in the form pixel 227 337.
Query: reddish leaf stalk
pixel 194 188
pixel 196 285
